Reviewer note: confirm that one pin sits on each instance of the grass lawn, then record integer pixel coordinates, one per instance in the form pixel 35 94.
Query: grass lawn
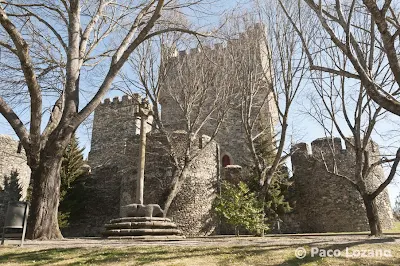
pixel 189 255
pixel 229 251
pixel 395 229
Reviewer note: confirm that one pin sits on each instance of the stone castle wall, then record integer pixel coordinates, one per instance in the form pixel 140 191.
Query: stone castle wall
pixel 221 66
pixel 191 209
pixel 114 161
pixel 113 125
pixel 325 202
pixel 11 160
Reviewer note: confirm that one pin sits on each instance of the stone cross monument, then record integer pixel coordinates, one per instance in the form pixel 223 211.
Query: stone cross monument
pixel 137 219
pixel 143 112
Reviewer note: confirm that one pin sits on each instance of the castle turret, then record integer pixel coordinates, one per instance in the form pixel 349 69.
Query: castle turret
pixel 326 202
pixel 114 161
pixel 114 124
pixel 225 63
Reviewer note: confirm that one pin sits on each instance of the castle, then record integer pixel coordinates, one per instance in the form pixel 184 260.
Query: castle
pixel 115 140
pixel 333 206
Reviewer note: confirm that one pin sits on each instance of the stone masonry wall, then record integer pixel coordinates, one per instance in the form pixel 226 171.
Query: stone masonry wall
pixel 250 50
pixel 114 162
pixel 11 160
pixel 114 125
pixel 100 202
pixel 325 202
pixel 191 209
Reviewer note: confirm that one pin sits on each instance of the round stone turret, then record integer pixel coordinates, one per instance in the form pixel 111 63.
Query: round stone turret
pixel 326 202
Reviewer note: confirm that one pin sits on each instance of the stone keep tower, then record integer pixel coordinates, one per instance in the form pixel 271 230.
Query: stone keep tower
pixel 327 203
pixel 114 124
pixel 229 63
pixel 114 161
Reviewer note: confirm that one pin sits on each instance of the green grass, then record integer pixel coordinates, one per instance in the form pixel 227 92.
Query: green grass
pixel 395 229
pixel 204 256
pixel 261 252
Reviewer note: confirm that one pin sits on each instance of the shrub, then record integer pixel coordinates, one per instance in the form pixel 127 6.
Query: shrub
pixel 240 207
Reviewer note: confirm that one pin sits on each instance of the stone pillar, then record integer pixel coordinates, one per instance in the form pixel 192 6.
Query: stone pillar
pixel 144 112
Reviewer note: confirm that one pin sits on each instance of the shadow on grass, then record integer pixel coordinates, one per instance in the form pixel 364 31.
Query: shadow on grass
pixel 141 256
pixel 151 255
pixel 342 247
pixel 40 257
pixel 223 255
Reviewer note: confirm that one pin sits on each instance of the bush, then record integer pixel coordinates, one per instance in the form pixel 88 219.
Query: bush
pixel 240 207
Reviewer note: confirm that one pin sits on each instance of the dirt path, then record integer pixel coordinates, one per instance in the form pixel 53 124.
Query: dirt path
pixel 270 240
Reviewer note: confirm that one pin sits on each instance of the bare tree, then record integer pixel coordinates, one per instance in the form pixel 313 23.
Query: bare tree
pixel 346 44
pixel 81 43
pixel 269 73
pixel 348 108
pixel 196 91
pixel 347 26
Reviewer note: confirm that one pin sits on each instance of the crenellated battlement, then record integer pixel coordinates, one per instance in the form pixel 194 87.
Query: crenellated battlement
pixel 327 145
pixel 251 34
pixel 325 201
pixel 318 145
pixel 126 100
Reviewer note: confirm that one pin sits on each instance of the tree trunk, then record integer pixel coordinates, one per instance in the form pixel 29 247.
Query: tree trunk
pixel 262 198
pixel 175 188
pixel 373 216
pixel 42 221
pixel 237 233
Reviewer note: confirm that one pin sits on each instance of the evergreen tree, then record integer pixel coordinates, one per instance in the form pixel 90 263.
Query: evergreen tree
pixel 71 189
pixel 11 191
pixel 276 200
pixel 277 204
pixel 240 207
pixel 72 165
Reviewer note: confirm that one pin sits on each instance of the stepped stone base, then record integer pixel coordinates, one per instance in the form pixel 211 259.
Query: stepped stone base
pixel 142 228
pixel 148 238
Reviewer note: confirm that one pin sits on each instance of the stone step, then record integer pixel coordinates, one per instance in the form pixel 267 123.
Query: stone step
pixel 150 238
pixel 139 219
pixel 141 232
pixel 144 225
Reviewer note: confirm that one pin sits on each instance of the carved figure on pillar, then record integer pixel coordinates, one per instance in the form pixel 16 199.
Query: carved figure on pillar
pixel 138 219
pixel 143 112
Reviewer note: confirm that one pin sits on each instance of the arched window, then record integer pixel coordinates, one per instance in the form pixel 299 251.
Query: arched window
pixel 226 160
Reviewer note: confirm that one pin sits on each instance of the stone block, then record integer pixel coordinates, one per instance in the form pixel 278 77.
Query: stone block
pixel 138 210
